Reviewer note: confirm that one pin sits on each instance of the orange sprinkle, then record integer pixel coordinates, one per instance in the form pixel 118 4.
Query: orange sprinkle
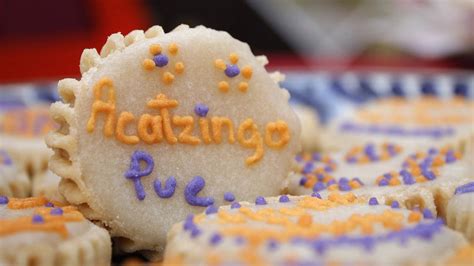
pixel 168 78
pixel 234 58
pixel 173 48
pixel 247 72
pixel 223 86
pixel 243 86
pixel 179 67
pixel 305 220
pixel 148 64
pixel 155 49
pixel 394 181
pixel 414 217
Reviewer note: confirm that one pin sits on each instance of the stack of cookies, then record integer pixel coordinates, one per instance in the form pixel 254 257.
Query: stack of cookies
pixel 182 147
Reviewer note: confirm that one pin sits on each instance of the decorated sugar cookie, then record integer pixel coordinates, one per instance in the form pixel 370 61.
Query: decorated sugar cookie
pixel 166 124
pixel 46 184
pixel 22 132
pixel 310 230
pixel 420 122
pixel 460 210
pixel 35 231
pixel 13 180
pixel 423 179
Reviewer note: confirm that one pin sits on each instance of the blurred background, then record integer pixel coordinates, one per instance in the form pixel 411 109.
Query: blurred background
pixel 43 40
pixel 335 54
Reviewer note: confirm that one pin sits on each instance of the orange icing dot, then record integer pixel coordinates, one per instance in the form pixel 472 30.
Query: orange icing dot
pixel 168 78
pixel 155 49
pixel 223 86
pixel 173 48
pixel 247 72
pixel 148 64
pixel 243 86
pixel 220 64
pixel 414 217
pixel 234 58
pixel 179 67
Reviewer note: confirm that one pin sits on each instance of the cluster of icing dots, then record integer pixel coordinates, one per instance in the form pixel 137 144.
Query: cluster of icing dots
pixel 295 223
pixel 420 167
pixel 369 153
pixel 232 70
pixel 161 60
pixel 315 163
pixel 47 216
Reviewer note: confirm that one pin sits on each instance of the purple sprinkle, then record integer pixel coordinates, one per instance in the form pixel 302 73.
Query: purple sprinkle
pixel 450 158
pixel 387 176
pixel 303 181
pixel 201 110
pixel 395 204
pixel 316 156
pixel 320 177
pixel 318 186
pixel 427 214
pixel 211 210
pixel 316 195
pixel 235 205
pixel 308 168
pixel 428 174
pixel 3 200
pixel 328 169
pixel 215 239
pixel 188 222
pixel 37 219
pixel 344 187
pixel 331 182
pixel 191 191
pixel 195 232
pixel 466 188
pixel 49 204
pixel 56 211
pixel 160 60
pixel 343 180
pixel 232 70
pixel 228 196
pixel 134 173
pixel 7 160
pixel 168 190
pixel 283 199
pixel 407 177
pixel 373 201
pixel 383 182
pixel 272 244
pixel 260 201
pixel 432 151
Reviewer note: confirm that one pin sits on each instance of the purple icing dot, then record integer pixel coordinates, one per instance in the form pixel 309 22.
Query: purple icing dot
pixel 395 204
pixel 260 201
pixel 134 173
pixel 191 191
pixel 37 219
pixel 160 60
pixel 320 177
pixel 316 156
pixel 235 205
pixel 316 195
pixel 49 204
pixel 383 182
pixel 450 158
pixel 189 223
pixel 407 177
pixel 344 187
pixel 272 244
pixel 387 176
pixel 215 239
pixel 433 151
pixel 303 181
pixel 201 110
pixel 283 199
pixel 343 180
pixel 318 186
pixel 466 188
pixel 330 182
pixel 3 200
pixel 168 190
pixel 195 232
pixel 308 168
pixel 373 201
pixel 211 210
pixel 56 211
pixel 228 196
pixel 232 70
pixel 427 214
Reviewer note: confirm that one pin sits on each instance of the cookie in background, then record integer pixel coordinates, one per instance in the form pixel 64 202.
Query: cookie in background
pixel 22 132
pixel 310 139
pixel 13 180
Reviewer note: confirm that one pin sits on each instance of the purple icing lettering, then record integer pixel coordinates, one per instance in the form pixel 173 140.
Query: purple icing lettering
pixel 134 173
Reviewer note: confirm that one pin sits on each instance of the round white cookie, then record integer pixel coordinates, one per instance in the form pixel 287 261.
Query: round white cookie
pixel 164 124
pixel 418 123
pixel 34 231
pixel 13 181
pixel 22 132
pixel 460 210
pixel 309 230
pixel 309 127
